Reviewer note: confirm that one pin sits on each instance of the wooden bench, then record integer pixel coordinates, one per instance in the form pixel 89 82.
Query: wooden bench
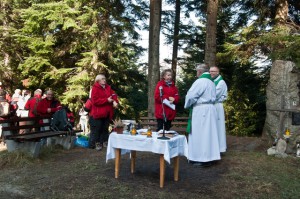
pixel 179 124
pixel 25 134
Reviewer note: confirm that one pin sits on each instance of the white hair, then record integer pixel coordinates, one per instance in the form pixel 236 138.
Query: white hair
pixel 202 67
pixel 38 91
pixel 99 77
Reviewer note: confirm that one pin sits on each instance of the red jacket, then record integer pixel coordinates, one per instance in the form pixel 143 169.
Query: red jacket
pixel 101 108
pixel 44 104
pixel 31 105
pixel 168 91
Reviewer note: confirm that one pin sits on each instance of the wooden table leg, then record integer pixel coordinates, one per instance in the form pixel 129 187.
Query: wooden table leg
pixel 117 162
pixel 176 168
pixel 132 161
pixel 162 171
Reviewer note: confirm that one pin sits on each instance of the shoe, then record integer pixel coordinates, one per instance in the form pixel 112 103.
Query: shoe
pixel 202 164
pixel 98 146
pixel 191 162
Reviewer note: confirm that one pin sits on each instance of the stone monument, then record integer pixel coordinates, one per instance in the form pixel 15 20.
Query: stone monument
pixel 282 103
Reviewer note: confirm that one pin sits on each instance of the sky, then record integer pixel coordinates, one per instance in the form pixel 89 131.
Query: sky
pixel 165 50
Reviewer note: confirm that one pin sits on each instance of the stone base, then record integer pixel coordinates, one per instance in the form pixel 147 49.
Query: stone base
pixel 68 142
pixel 33 148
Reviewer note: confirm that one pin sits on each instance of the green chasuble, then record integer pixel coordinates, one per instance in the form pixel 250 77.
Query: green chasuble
pixel 218 79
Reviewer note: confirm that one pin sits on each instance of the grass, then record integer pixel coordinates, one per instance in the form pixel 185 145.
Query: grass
pixel 257 175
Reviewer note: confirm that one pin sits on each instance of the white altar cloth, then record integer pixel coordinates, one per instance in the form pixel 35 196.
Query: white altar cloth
pixel 176 146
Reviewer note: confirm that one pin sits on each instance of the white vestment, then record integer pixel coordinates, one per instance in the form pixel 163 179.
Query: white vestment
pixel 221 92
pixel 203 143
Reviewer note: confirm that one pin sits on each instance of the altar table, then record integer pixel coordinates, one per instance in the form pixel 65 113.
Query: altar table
pixel 124 143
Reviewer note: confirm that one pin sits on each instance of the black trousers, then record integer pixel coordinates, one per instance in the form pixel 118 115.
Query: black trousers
pixel 160 123
pixel 99 130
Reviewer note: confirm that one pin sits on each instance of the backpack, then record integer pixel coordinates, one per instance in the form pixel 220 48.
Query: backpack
pixel 60 121
pixel 88 105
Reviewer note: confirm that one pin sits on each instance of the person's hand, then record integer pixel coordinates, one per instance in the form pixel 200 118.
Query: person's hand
pixel 115 104
pixel 110 99
pixel 171 99
pixel 49 110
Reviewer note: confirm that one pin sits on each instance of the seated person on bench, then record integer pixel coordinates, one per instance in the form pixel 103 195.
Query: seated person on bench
pixel 48 106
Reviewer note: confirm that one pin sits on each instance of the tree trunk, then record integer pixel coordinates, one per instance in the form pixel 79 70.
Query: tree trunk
pixel 211 29
pixel 175 38
pixel 282 9
pixel 153 68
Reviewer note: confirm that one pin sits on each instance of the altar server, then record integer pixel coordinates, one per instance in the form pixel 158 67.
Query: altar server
pixel 221 94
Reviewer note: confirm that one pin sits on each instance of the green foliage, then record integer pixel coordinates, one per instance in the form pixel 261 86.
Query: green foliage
pixel 64 44
pixel 245 107
pixel 282 44
pixel 241 118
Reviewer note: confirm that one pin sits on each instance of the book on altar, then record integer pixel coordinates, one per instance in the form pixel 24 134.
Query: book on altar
pixel 167 102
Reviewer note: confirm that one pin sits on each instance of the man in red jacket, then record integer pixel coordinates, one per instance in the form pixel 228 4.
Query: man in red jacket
pixel 48 105
pixel 104 100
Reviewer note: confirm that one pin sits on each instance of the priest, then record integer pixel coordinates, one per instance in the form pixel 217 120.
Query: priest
pixel 203 142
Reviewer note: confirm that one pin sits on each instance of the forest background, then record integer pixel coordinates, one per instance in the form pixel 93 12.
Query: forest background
pixel 64 44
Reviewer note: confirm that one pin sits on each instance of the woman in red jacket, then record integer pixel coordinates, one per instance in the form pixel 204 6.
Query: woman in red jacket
pixel 165 90
pixel 31 104
pixel 104 100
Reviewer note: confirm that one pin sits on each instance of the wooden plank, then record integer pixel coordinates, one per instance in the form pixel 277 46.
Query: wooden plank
pixel 181 118
pixel 148 123
pixel 22 119
pixel 284 110
pixel 173 123
pixel 153 118
pixel 38 135
pixel 14 128
pixel 179 124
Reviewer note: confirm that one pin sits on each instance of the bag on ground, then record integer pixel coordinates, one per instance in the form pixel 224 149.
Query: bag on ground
pixel 82 141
